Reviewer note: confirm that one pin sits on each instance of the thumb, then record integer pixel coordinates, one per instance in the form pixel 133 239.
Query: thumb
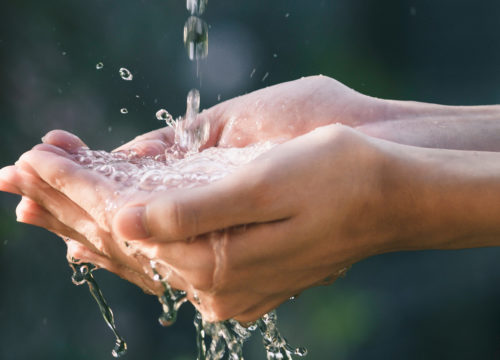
pixel 185 213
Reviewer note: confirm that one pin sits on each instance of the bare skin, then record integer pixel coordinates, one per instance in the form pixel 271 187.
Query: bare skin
pixel 312 206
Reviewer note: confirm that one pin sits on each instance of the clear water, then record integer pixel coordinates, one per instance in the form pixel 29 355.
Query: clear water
pixel 82 274
pixel 164 115
pixel 196 38
pixel 125 74
pixel 196 7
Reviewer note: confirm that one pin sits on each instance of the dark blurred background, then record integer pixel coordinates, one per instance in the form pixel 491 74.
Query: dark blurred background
pixel 422 305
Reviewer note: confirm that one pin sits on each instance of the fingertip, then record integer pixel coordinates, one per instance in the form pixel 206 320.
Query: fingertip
pixel 8 180
pixel 64 140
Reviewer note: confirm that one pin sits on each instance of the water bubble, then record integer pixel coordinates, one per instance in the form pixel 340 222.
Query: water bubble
pixel 167 319
pixel 196 7
pixel 124 110
pixel 265 76
pixel 64 53
pixel 164 115
pixel 287 15
pixel 253 72
pixel 126 74
pixel 218 97
pixel 275 55
pixel 196 38
pixel 99 65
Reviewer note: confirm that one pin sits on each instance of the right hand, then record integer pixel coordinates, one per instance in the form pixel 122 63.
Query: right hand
pixel 278 113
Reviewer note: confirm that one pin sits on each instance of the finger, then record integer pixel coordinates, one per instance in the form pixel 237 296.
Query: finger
pixel 242 198
pixel 86 188
pixel 194 260
pixel 64 140
pixel 257 311
pixel 63 210
pixel 77 251
pixel 164 135
pixel 29 212
pixel 8 178
pixel 148 147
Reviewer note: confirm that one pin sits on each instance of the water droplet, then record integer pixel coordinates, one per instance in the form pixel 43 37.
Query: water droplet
pixel 275 55
pixel 253 72
pixel 164 115
pixel 287 15
pixel 64 53
pixel 196 38
pixel 413 11
pixel 167 319
pixel 124 110
pixel 265 76
pixel 196 7
pixel 99 65
pixel 218 97
pixel 300 351
pixel 120 348
pixel 125 74
pixel 110 128
pixel 196 298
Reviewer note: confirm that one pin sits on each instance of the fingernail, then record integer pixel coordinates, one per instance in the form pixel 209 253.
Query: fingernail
pixel 131 223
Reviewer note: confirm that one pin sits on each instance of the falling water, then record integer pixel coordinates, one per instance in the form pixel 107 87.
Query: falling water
pixel 82 273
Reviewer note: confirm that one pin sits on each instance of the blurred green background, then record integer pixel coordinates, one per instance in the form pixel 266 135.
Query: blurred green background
pixel 422 305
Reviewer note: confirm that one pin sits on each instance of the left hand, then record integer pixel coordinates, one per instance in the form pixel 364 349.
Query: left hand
pixel 299 228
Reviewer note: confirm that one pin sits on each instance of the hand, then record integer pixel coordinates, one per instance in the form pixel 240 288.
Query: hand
pixel 299 229
pixel 277 113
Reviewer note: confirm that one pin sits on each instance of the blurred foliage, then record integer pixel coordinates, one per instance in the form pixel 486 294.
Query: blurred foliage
pixel 429 305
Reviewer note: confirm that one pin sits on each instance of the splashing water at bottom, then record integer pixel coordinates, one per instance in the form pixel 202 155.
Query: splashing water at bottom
pixel 82 273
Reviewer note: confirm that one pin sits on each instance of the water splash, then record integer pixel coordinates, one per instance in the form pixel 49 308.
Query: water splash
pixel 164 115
pixel 192 133
pixel 276 345
pixel 82 273
pixel 125 74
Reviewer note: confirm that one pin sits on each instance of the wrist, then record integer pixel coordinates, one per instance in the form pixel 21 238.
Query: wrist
pixel 443 199
pixel 437 126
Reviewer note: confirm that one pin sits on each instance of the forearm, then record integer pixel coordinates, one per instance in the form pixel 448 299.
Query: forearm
pixel 444 199
pixel 437 126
